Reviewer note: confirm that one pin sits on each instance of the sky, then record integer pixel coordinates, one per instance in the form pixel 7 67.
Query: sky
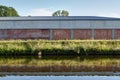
pixel 108 8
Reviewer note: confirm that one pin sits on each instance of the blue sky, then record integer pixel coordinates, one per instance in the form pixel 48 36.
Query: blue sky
pixel 110 8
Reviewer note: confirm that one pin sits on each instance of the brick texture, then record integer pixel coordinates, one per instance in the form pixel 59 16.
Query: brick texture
pixel 61 34
pixel 58 34
pixel 83 34
pixel 117 34
pixel 102 34
pixel 24 34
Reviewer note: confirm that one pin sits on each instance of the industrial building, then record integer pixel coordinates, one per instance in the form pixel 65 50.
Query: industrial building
pixel 60 28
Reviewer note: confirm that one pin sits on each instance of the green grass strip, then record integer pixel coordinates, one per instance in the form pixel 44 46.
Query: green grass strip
pixel 60 47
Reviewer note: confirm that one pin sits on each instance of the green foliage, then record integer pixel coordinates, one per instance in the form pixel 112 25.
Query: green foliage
pixel 60 47
pixel 61 13
pixel 7 11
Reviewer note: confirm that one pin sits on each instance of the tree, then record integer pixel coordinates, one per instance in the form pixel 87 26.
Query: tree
pixel 61 13
pixel 7 11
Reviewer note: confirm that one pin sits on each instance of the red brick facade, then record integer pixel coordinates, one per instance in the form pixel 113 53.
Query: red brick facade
pixel 117 34
pixel 102 34
pixel 82 34
pixel 61 34
pixel 25 34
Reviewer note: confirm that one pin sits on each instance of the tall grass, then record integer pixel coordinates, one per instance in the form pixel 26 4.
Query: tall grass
pixel 60 47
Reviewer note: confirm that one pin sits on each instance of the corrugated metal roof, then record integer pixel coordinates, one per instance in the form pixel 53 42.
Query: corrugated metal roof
pixel 59 18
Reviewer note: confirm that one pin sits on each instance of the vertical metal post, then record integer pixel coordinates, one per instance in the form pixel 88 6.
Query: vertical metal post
pixel 51 34
pixel 92 29
pixel 113 34
pixel 72 33
pixel 92 33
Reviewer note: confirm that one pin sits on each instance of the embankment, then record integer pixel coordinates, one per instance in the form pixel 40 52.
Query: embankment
pixel 59 47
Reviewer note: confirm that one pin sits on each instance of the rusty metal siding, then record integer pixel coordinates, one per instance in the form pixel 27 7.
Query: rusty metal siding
pixel 61 34
pixel 102 34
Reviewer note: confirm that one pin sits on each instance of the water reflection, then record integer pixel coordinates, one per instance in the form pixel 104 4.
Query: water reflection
pixel 60 63
pixel 80 58
pixel 60 78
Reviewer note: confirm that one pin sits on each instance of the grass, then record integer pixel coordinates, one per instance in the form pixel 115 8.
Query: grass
pixel 60 47
pixel 76 53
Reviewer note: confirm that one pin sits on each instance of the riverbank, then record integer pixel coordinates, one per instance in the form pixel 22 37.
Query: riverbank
pixel 58 68
pixel 59 47
pixel 71 56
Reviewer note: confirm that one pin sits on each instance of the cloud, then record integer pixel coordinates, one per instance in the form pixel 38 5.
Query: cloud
pixel 109 15
pixel 40 12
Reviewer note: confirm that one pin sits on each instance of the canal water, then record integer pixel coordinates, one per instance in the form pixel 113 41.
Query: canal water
pixel 78 60
pixel 60 77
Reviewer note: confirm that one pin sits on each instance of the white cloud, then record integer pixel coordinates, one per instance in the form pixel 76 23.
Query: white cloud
pixel 109 15
pixel 40 12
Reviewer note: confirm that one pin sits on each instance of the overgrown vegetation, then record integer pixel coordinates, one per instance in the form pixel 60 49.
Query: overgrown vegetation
pixel 60 47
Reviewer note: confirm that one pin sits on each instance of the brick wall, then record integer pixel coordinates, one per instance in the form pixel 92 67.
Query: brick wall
pixel 117 34
pixel 24 34
pixel 82 34
pixel 102 34
pixel 61 34
pixel 58 34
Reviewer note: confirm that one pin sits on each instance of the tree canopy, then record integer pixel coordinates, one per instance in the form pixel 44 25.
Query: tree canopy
pixel 7 11
pixel 61 13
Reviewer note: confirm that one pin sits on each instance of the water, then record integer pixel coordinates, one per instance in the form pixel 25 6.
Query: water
pixel 60 78
pixel 68 60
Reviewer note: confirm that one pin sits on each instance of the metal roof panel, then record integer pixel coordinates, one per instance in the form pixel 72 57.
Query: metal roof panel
pixel 58 18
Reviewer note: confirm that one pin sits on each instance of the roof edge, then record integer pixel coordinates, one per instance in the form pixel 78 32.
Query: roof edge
pixel 58 18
